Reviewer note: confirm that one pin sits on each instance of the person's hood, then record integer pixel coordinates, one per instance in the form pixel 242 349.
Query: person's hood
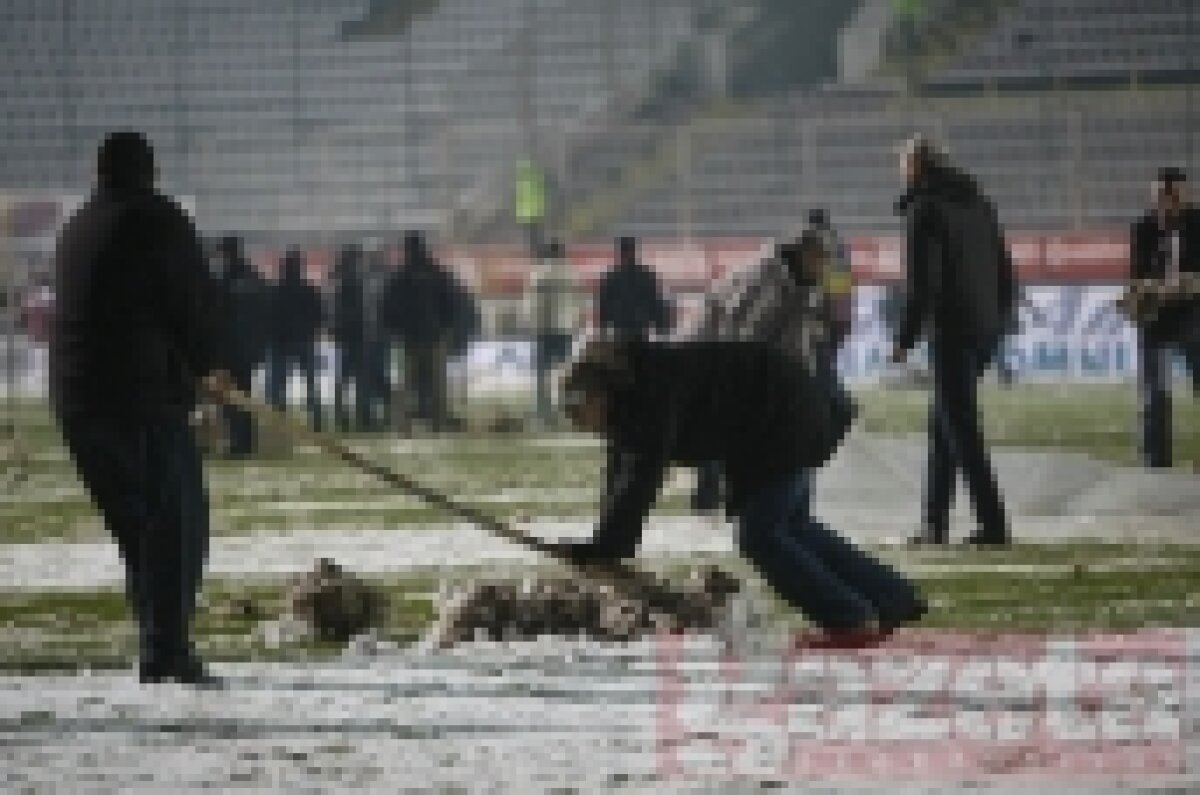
pixel 293 268
pixel 237 266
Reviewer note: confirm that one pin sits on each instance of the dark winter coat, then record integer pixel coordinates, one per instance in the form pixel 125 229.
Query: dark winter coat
pixel 246 308
pixel 467 319
pixel 349 308
pixel 419 303
pixel 630 301
pixel 746 404
pixel 295 311
pixel 960 275
pixel 134 324
pixel 1148 252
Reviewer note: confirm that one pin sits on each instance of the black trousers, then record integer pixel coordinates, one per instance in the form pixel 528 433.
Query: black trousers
pixel 146 480
pixel 1154 376
pixel 956 443
pixel 707 496
pixel 239 422
pixel 425 381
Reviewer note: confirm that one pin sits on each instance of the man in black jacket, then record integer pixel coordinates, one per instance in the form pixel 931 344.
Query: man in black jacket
pixel 133 332
pixel 1165 245
pixel 421 308
pixel 770 422
pixel 961 293
pixel 630 300
pixel 295 317
pixel 349 332
pixel 245 308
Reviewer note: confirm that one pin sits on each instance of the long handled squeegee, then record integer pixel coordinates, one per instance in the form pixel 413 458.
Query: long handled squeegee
pixel 629 581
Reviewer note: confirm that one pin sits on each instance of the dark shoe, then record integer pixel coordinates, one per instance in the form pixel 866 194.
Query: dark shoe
pixel 869 634
pixel 987 540
pixel 928 538
pixel 188 671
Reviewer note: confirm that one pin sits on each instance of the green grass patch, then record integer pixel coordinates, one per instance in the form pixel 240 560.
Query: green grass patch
pixel 1096 419
pixel 1067 588
pixel 1100 420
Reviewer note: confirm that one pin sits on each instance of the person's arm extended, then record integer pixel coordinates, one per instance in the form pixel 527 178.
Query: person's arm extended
pixel 633 482
pixel 916 306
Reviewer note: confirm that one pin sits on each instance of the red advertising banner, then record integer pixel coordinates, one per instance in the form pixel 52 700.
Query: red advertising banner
pixel 503 269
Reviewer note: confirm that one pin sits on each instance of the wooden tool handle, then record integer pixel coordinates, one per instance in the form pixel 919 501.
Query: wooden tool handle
pixel 629 581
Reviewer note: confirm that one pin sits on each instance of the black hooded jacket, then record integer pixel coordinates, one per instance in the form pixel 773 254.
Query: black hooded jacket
pixel 246 306
pixel 420 304
pixel 630 301
pixel 745 404
pixel 295 309
pixel 136 320
pixel 960 275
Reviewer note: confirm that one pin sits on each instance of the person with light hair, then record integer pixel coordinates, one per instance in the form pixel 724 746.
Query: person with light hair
pixel 960 294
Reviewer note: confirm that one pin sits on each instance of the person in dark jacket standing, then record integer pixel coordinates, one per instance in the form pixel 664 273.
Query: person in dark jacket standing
pixel 1165 246
pixel 420 308
pixel 245 307
pixel 349 332
pixel 630 301
pixel 376 341
pixel 295 317
pixel 770 423
pixel 133 332
pixel 961 291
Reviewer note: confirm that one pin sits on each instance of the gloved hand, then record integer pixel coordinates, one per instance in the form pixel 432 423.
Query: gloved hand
pixel 591 552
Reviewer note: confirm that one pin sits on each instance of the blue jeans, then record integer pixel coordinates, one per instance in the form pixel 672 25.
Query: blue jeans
pixel 816 571
pixel 1154 383
pixel 379 389
pixel 146 479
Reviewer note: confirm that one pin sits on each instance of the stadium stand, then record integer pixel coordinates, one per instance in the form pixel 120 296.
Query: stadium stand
pixel 1061 161
pixel 327 117
pixel 285 115
pixel 1082 40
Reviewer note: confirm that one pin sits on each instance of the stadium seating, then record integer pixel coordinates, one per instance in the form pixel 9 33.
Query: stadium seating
pixel 258 109
pixel 1056 161
pixel 277 122
pixel 1081 38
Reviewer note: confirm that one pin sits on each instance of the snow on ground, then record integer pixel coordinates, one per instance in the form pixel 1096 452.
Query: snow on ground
pixel 639 717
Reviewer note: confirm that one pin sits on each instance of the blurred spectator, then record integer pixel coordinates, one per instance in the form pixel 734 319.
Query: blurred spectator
pixel 377 344
pixel 780 301
pixel 1166 246
pixel 349 332
pixel 37 311
pixel 961 291
pixel 295 319
pixel 466 327
pixel 530 202
pixel 420 309
pixel 554 314
pixel 838 278
pixel 630 300
pixel 246 298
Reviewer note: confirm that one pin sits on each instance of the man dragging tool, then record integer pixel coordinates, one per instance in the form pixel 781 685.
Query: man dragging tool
pixel 770 423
